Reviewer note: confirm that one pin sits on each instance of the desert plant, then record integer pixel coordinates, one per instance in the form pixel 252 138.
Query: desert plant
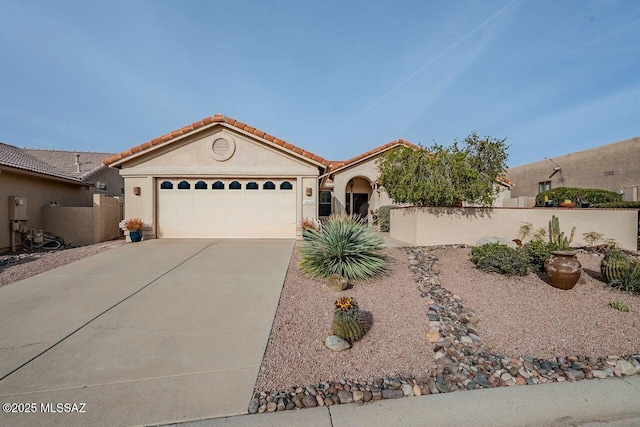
pixel 538 252
pixel 631 282
pixel 384 217
pixel 592 237
pixel 499 258
pixel 347 320
pixel 345 247
pixel 539 234
pixel 615 266
pixel 556 237
pixel 620 306
pixel 134 224
pixel 525 231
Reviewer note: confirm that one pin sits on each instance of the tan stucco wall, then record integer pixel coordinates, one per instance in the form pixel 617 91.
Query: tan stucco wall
pixel 73 224
pixel 437 226
pixel 584 169
pixel 39 192
pixel 81 226
pixel 192 157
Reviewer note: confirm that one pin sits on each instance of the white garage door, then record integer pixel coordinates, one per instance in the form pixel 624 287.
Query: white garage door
pixel 229 208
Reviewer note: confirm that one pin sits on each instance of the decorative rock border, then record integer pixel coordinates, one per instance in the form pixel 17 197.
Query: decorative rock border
pixel 461 361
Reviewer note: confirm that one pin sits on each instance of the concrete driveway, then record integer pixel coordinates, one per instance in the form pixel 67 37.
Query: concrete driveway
pixel 152 332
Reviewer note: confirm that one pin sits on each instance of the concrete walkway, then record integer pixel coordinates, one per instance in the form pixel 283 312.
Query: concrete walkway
pixel 152 332
pixel 594 403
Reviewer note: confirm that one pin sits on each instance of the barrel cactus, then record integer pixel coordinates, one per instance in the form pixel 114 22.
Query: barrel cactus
pixel 615 266
pixel 347 320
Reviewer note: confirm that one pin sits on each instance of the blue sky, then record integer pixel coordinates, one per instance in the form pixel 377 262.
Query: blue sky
pixel 336 78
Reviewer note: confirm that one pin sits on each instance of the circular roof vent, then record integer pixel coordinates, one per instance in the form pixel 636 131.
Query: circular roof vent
pixel 223 148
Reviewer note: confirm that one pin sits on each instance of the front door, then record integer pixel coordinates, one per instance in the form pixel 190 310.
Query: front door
pixel 359 199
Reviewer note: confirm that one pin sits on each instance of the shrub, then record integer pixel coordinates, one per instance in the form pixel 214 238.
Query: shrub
pixel 537 252
pixel 384 217
pixel 499 258
pixel 342 246
pixel 618 205
pixel 631 283
pixel 578 195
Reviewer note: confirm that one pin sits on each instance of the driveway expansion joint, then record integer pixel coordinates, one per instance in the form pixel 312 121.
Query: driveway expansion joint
pixel 105 312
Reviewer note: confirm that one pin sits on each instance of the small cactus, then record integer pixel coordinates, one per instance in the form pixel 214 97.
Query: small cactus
pixel 556 237
pixel 347 320
pixel 615 266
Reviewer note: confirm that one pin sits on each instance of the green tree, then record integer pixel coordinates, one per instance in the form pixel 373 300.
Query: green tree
pixel 445 176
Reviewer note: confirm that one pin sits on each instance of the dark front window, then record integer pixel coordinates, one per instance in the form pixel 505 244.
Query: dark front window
pixel 324 204
pixel 544 186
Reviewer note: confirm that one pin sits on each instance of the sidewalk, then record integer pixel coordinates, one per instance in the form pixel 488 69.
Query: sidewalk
pixel 611 402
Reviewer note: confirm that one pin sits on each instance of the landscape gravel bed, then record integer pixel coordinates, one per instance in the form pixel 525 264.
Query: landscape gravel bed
pixel 526 316
pixel 19 266
pixel 395 344
pixel 458 358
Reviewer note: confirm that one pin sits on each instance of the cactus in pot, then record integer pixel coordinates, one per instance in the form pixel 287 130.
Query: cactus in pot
pixel 557 238
pixel 347 320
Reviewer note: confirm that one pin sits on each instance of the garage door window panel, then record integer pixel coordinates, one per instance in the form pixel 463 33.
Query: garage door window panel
pixel 286 185
pixel 184 185
pixel 200 185
pixel 166 185
pixel 269 185
pixel 235 185
pixel 252 185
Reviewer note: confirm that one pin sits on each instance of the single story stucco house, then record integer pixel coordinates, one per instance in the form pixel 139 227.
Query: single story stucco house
pixel 221 178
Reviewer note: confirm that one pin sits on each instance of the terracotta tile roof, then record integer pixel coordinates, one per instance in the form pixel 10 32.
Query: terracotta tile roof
pixel 90 163
pixel 505 180
pixel 20 159
pixel 397 142
pixel 218 118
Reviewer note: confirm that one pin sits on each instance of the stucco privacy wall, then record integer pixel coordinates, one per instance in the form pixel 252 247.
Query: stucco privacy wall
pixel 438 226
pixel 39 192
pixel 192 157
pixel 81 226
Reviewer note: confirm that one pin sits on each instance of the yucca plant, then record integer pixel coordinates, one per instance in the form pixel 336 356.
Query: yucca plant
pixel 342 246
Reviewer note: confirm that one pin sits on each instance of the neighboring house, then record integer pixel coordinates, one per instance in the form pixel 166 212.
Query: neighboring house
pixel 613 167
pixel 219 177
pixel 43 178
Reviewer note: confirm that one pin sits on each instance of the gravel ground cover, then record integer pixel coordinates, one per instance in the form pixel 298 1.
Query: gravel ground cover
pixel 16 267
pixel 526 316
pixel 395 343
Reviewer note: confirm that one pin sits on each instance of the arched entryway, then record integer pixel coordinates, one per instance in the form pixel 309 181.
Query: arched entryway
pixel 358 192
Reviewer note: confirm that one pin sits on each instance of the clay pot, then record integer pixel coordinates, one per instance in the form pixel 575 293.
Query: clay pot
pixel 563 269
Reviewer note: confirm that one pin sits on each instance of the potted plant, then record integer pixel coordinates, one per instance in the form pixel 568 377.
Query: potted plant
pixel 134 226
pixel 307 225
